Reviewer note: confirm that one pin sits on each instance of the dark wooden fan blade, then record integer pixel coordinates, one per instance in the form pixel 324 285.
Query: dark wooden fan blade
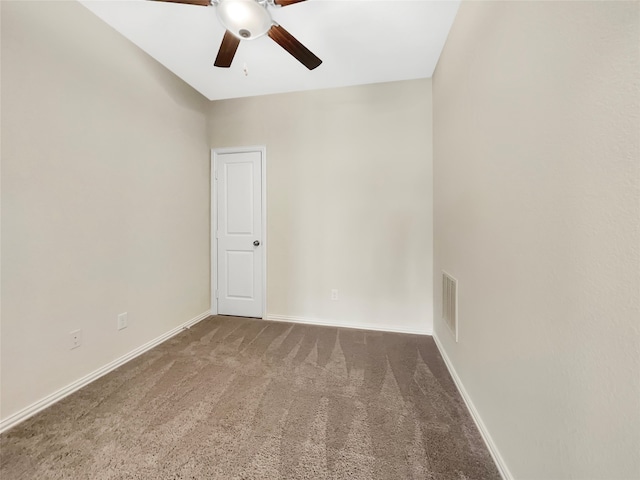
pixel 294 47
pixel 227 50
pixel 204 3
pixel 284 3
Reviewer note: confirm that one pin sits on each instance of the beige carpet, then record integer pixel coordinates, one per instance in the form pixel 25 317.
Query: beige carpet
pixel 236 398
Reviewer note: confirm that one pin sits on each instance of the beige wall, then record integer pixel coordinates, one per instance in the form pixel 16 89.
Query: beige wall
pixel 105 195
pixel 349 202
pixel 537 213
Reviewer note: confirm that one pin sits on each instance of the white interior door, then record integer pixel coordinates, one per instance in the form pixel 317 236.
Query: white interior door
pixel 240 246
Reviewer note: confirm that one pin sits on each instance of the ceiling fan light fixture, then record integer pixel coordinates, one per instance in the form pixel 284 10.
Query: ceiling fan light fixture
pixel 246 19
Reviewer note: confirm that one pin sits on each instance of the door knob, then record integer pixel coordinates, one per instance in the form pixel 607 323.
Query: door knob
pixel 256 243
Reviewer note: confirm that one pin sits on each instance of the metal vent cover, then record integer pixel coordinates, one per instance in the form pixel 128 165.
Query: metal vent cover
pixel 450 303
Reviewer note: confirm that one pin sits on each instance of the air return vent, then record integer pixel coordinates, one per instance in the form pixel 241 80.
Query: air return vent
pixel 450 303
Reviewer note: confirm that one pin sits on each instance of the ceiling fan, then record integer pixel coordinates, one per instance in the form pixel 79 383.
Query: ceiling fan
pixel 248 20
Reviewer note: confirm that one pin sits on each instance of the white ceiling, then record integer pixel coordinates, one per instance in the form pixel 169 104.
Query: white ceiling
pixel 359 41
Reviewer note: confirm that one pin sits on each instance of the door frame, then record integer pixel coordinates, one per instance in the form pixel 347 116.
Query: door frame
pixel 215 152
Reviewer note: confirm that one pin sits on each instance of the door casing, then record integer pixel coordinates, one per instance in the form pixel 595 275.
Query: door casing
pixel 214 221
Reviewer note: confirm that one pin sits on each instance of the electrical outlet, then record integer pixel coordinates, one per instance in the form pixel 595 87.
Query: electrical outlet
pixel 122 321
pixel 334 294
pixel 76 339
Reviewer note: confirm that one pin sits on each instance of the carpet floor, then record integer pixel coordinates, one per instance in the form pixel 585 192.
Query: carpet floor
pixel 237 398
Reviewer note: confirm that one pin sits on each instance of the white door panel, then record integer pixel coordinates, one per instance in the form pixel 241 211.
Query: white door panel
pixel 239 198
pixel 239 268
pixel 239 228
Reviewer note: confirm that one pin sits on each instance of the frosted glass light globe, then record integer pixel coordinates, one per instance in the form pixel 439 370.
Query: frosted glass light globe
pixel 246 19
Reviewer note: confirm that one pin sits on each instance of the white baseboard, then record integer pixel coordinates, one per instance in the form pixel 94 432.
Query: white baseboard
pixel 358 326
pixel 486 436
pixel 49 400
